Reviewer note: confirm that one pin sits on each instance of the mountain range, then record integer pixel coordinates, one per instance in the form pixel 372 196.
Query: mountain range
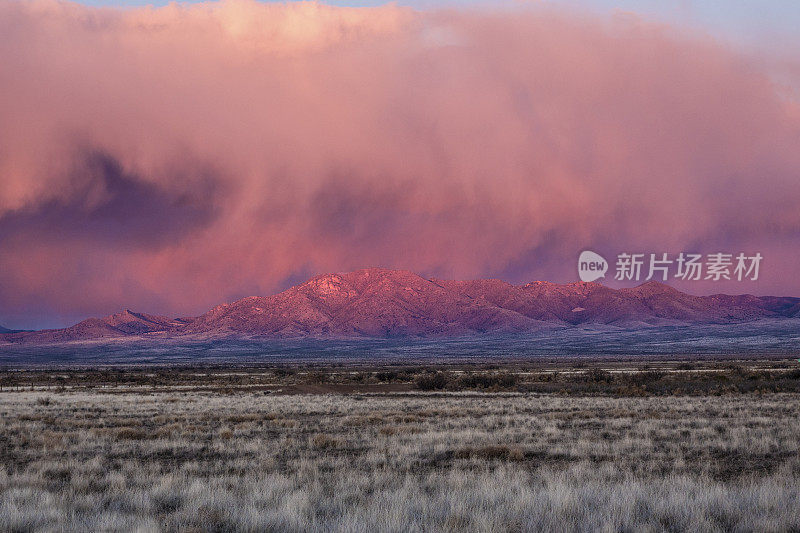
pixel 379 303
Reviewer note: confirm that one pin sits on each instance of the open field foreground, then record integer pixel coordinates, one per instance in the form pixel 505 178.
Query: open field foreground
pixel 195 460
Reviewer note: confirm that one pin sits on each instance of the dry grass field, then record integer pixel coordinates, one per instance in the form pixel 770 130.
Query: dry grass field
pixel 130 456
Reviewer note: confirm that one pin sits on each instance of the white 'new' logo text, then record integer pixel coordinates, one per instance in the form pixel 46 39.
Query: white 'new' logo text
pixel 591 266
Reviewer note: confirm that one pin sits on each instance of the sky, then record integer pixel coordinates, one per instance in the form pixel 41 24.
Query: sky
pixel 752 22
pixel 169 158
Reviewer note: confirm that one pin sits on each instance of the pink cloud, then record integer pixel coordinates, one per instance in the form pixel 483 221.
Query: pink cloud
pixel 168 159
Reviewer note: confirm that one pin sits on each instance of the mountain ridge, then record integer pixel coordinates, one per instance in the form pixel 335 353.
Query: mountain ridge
pixel 381 303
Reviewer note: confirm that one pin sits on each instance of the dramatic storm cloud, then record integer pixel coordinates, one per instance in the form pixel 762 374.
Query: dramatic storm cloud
pixel 169 159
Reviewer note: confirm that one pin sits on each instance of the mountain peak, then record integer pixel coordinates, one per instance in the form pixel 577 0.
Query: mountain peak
pixel 584 284
pixel 361 275
pixel 350 284
pixel 131 321
pixel 652 287
pixel 125 315
pixel 328 284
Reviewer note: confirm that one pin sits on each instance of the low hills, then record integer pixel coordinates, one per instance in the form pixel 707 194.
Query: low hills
pixel 380 303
